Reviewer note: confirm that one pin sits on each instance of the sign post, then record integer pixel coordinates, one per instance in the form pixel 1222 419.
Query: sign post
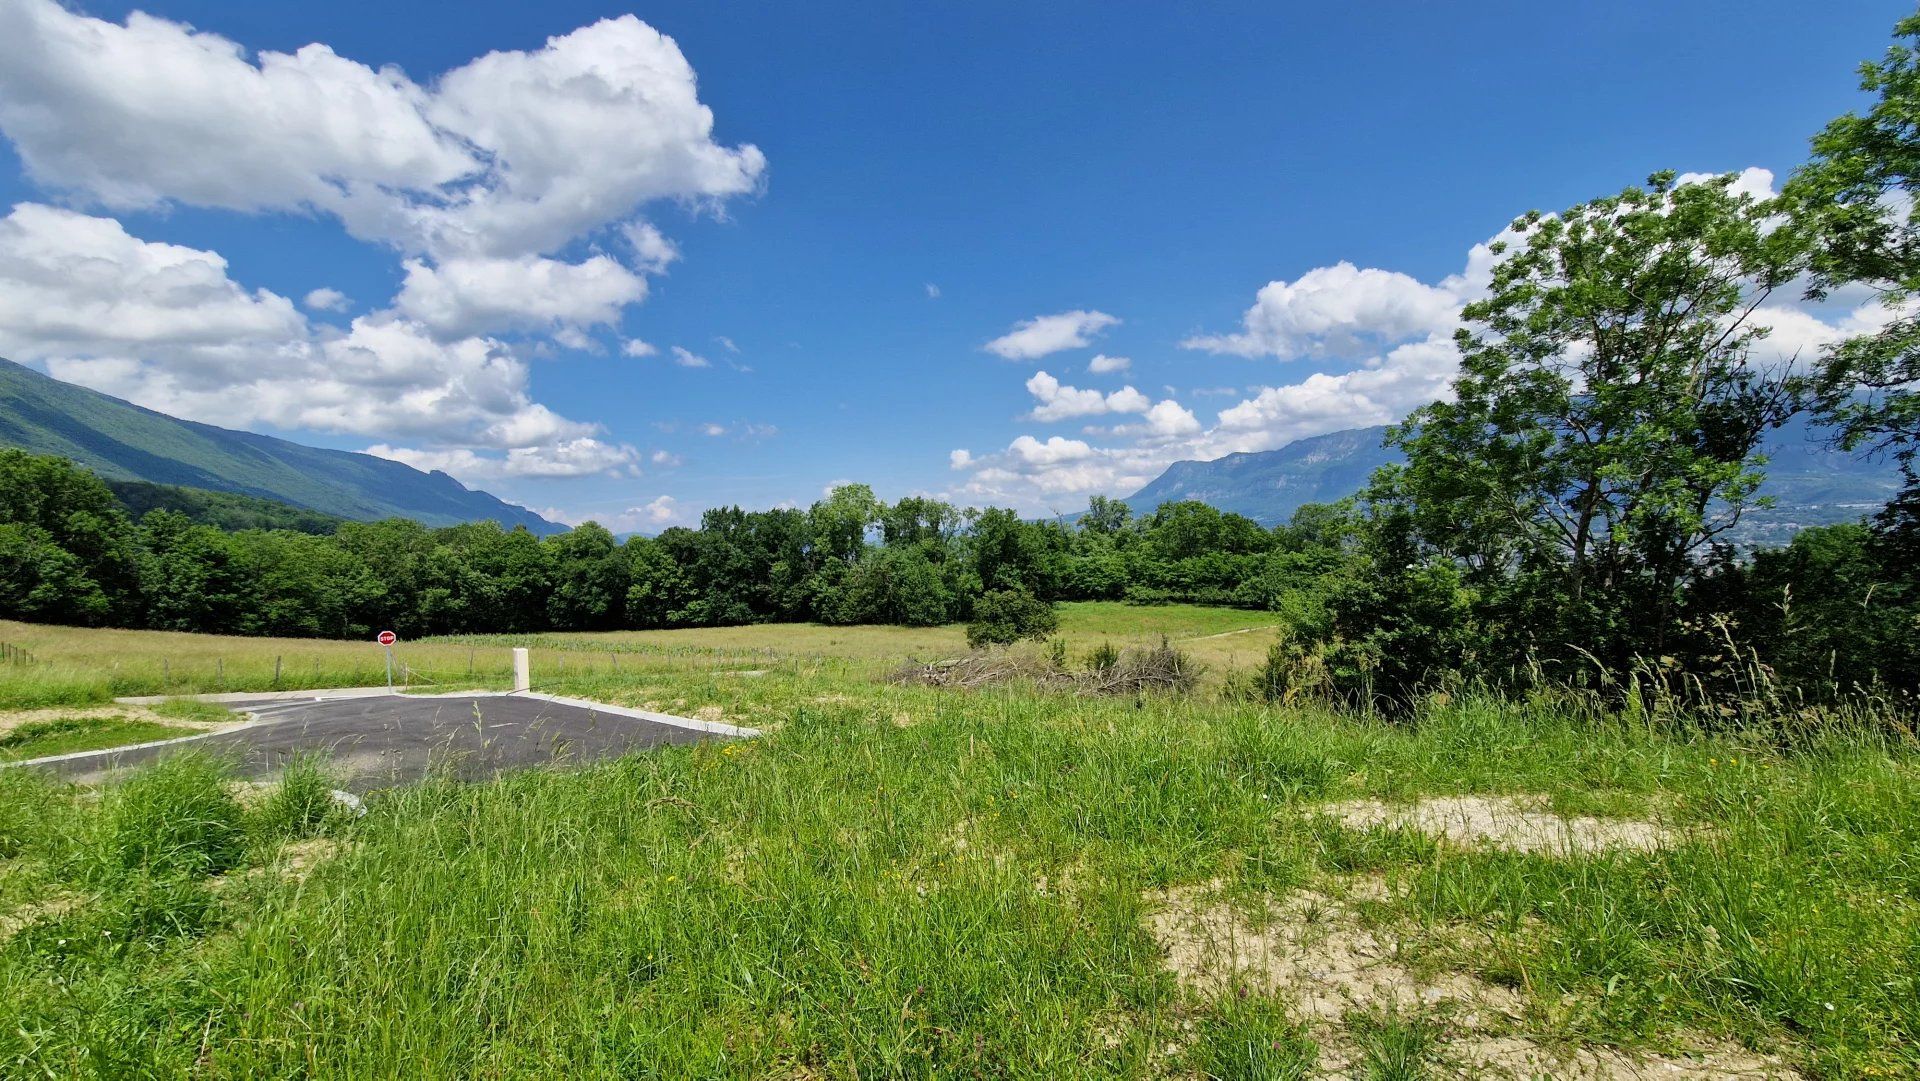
pixel 387 639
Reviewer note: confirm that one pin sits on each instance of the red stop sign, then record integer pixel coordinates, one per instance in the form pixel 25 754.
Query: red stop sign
pixel 386 638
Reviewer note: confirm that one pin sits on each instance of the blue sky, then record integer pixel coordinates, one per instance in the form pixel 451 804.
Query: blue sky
pixel 1268 210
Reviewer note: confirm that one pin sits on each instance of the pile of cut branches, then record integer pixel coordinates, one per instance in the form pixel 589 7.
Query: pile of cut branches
pixel 1134 671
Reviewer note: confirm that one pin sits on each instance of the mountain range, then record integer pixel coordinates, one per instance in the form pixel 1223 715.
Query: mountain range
pixel 1810 481
pixel 121 441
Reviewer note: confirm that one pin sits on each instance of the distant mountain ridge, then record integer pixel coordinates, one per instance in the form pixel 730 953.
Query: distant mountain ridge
pixel 1810 482
pixel 1269 485
pixel 122 441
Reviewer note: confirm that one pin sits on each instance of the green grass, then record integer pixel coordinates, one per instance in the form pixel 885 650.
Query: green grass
pixel 901 881
pixel 38 739
pixel 88 666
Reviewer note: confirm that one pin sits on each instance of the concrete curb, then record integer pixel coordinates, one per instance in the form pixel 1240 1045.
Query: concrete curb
pixel 326 695
pixel 715 728
pixel 73 756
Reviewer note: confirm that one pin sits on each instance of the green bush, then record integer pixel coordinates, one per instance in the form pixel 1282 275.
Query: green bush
pixel 1103 658
pixel 174 818
pixel 1005 616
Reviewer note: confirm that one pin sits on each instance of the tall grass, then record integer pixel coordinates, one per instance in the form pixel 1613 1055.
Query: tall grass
pixel 916 882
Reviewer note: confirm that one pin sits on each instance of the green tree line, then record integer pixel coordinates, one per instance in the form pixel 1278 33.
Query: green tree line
pixel 71 553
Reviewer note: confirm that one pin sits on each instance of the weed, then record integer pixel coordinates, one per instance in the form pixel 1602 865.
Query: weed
pixel 302 804
pixel 176 817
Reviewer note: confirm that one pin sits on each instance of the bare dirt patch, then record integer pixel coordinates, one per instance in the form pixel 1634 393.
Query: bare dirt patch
pixel 1311 948
pixel 1315 950
pixel 291 862
pixel 19 919
pixel 1513 823
pixel 1520 1057
pixel 298 859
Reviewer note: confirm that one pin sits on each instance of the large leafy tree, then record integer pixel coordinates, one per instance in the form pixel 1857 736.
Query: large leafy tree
pixel 69 554
pixel 1857 198
pixel 1607 418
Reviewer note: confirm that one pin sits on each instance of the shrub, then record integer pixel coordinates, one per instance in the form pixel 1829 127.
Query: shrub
pixel 1005 616
pixel 1103 658
pixel 174 818
pixel 1292 672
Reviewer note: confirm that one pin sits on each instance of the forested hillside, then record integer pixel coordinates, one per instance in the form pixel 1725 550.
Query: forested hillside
pixel 227 510
pixel 122 441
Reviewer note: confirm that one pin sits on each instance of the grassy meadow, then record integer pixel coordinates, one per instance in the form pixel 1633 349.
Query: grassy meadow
pixel 81 666
pixel 904 881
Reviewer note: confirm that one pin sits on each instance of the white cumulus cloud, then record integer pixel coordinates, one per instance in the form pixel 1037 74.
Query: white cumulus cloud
pixel 516 152
pixel 1060 402
pixel 1336 309
pixel 1045 334
pixel 325 299
pixel 465 296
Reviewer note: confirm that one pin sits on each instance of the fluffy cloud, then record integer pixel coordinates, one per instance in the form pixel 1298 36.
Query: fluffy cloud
pixel 581 457
pixel 656 513
pixel 1030 451
pixel 634 347
pixel 1382 391
pixel 652 252
pixel 480 176
pixel 514 153
pixel 1384 340
pixel 324 299
pixel 1060 402
pixel 75 284
pixel 1170 420
pixel 163 325
pixel 687 358
pixel 466 296
pixel 1336 309
pixel 150 111
pixel 1044 334
pixel 1102 364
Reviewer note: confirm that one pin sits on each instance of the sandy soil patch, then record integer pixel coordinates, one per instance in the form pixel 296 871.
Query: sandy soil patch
pixel 292 861
pixel 1310 948
pixel 1513 823
pixel 1314 950
pixel 19 919
pixel 709 714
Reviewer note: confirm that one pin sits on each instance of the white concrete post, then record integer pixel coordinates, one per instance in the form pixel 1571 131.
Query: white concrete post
pixel 522 681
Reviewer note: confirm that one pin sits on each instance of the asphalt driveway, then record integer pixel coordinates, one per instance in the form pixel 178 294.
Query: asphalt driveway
pixel 379 740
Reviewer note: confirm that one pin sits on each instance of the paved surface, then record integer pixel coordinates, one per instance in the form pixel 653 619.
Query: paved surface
pixel 391 739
